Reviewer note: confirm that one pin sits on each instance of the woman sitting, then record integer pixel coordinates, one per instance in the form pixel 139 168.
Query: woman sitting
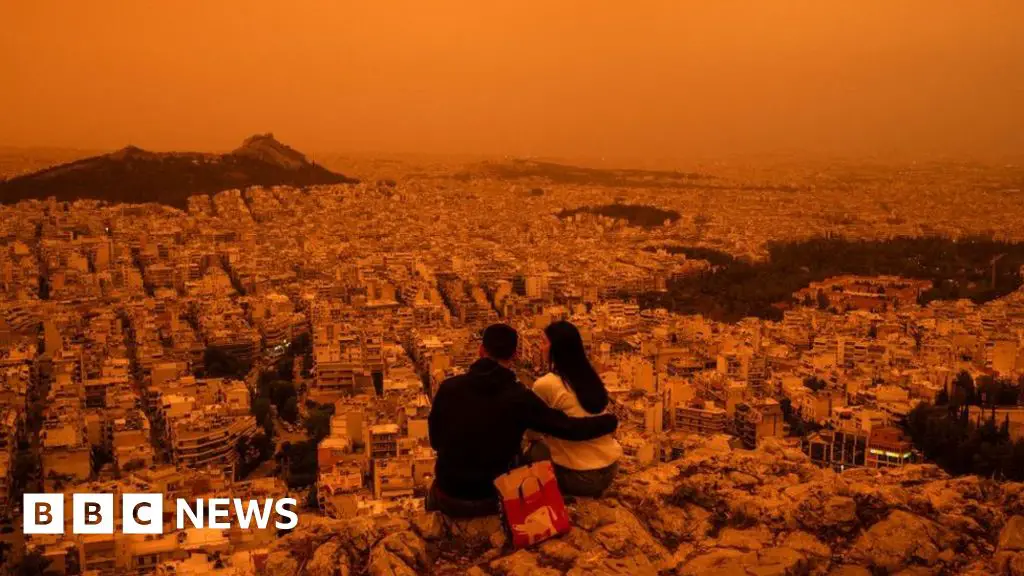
pixel 584 468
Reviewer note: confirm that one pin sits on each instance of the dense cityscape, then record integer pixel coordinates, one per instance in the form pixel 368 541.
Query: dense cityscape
pixel 277 341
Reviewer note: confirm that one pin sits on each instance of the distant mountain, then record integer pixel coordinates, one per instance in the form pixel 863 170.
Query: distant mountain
pixel 134 175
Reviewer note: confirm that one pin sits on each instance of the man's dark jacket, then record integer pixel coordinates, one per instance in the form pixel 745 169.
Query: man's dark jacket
pixel 477 423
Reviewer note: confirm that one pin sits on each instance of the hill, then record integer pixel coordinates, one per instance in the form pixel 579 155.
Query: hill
pixel 578 175
pixel 133 175
pixel 714 511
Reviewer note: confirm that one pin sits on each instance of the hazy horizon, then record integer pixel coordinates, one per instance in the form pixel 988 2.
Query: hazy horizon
pixel 655 80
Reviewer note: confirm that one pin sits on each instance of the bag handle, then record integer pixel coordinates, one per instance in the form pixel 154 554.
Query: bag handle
pixel 540 487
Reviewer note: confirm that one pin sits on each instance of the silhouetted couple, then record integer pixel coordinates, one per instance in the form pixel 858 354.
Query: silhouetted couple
pixel 478 420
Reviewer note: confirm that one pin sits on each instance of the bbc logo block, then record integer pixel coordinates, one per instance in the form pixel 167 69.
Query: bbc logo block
pixel 144 513
pixel 93 513
pixel 43 514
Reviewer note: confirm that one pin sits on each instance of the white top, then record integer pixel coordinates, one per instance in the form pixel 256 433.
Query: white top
pixel 586 455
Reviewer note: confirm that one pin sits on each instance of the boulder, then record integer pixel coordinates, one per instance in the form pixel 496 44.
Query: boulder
pixel 806 544
pixel 777 562
pixel 429 525
pixel 282 562
pixel 385 563
pixel 751 539
pixel 624 535
pixel 719 561
pixel 898 540
pixel 408 547
pixel 558 551
pixel 850 570
pixel 329 559
pixel 522 563
pixel 1011 538
pixel 474 532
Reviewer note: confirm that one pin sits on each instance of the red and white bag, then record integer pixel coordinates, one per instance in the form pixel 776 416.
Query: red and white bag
pixel 532 504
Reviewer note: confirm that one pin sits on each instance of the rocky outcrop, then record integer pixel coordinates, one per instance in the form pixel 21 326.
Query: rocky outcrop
pixel 715 511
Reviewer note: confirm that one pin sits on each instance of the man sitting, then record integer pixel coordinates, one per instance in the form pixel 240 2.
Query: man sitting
pixel 477 423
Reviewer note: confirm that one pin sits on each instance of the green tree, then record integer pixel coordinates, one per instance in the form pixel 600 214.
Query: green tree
pixel 280 392
pixel 290 411
pixel 815 383
pixel 964 382
pixel 302 464
pixel 318 424
pixel 312 501
pixel 987 390
pixel 261 410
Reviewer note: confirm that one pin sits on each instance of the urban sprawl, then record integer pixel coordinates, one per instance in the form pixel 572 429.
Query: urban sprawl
pixel 273 343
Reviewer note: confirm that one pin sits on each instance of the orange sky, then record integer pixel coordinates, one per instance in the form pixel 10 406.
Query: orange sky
pixel 671 79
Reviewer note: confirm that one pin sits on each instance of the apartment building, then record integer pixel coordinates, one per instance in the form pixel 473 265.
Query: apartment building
pixel 703 418
pixel 207 438
pixel 888 448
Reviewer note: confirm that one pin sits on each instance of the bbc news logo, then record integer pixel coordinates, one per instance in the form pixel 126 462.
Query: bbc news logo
pixel 144 513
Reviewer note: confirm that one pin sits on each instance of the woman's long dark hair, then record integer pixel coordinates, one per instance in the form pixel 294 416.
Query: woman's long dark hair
pixel 569 361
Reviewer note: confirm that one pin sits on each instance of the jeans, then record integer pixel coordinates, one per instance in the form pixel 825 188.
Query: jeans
pixel 458 508
pixel 587 483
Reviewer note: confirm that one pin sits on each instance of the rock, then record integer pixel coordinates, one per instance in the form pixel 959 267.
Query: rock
pixel 657 481
pixel 282 562
pixel 746 540
pixel 807 544
pixel 772 513
pixel 498 539
pixel 605 566
pixel 741 480
pixel 589 514
pixel 474 532
pixel 429 525
pixel 390 525
pixel 1016 565
pixel 680 556
pixel 839 510
pixel 914 474
pixel 978 568
pixel 358 535
pixel 624 534
pixel 522 563
pixel 777 562
pixel 744 509
pixel 961 524
pixel 384 563
pixel 1011 538
pixel 917 571
pixel 720 561
pixel 850 570
pixel 899 539
pixel 408 547
pixel 673 525
pixel 328 560
pixel 559 551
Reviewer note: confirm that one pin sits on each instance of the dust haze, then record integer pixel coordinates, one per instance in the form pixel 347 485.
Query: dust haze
pixel 649 79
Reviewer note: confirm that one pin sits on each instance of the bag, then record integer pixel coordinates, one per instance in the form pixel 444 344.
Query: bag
pixel 532 504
